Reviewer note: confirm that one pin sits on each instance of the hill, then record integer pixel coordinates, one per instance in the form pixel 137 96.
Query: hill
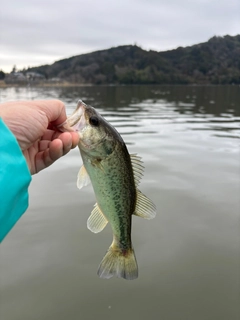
pixel 216 61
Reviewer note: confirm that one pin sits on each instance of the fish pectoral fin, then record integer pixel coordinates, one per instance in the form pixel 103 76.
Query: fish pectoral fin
pixel 145 208
pixel 138 168
pixel 97 221
pixel 83 178
pixel 97 162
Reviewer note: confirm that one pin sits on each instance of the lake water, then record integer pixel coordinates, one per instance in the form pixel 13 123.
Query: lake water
pixel 188 256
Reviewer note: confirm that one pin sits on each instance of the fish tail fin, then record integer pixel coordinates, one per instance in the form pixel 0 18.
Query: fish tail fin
pixel 118 263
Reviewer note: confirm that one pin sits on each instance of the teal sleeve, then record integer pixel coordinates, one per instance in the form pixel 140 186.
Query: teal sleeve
pixel 14 181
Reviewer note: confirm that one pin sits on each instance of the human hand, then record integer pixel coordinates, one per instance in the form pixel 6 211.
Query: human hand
pixel 34 125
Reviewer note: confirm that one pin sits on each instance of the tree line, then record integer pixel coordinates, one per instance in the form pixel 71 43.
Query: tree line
pixel 216 61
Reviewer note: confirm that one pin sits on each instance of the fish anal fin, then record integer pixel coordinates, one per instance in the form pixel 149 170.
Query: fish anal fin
pixel 97 221
pixel 83 178
pixel 138 168
pixel 145 208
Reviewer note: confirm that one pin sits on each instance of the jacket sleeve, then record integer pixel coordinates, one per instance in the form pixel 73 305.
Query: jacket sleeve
pixel 14 181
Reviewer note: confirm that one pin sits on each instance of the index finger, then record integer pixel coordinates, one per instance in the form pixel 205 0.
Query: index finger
pixel 54 110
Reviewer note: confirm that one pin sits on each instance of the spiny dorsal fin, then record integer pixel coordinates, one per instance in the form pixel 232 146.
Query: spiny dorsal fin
pixel 97 221
pixel 145 208
pixel 137 168
pixel 83 178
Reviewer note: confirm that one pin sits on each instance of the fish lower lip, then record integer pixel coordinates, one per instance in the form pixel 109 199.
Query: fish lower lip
pixel 77 121
pixel 79 125
pixel 72 124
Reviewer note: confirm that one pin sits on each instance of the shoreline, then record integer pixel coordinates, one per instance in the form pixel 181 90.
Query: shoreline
pixel 69 84
pixel 42 84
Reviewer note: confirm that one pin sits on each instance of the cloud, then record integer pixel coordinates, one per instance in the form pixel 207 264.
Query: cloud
pixel 36 32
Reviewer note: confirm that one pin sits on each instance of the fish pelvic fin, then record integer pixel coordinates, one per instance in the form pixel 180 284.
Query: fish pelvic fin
pixel 83 178
pixel 145 208
pixel 118 263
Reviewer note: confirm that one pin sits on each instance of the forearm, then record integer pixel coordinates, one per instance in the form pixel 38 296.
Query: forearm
pixel 14 181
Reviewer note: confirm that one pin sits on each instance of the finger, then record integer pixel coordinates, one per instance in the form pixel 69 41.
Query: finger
pixel 56 149
pixel 75 139
pixel 47 157
pixel 67 142
pixel 43 145
pixel 69 139
pixel 54 110
pixel 66 139
pixel 50 151
pixel 51 135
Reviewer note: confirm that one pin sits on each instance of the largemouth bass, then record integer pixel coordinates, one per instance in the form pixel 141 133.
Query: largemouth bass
pixel 115 176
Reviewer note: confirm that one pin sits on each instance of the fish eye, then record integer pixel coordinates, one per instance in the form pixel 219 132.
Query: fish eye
pixel 94 121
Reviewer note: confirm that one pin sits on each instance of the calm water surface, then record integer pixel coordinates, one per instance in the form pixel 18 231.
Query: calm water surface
pixel 188 255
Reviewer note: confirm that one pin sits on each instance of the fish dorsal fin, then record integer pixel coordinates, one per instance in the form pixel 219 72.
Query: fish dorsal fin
pixel 145 208
pixel 97 221
pixel 137 168
pixel 83 178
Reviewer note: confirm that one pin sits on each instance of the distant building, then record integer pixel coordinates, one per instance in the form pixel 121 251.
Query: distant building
pixel 34 76
pixel 55 80
pixel 15 78
pixel 21 78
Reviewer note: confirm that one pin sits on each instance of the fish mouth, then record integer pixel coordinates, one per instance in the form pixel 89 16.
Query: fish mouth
pixel 76 121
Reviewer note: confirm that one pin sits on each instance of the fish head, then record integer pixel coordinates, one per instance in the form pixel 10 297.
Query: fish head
pixel 96 134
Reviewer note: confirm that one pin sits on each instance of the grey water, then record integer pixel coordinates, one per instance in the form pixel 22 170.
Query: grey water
pixel 188 256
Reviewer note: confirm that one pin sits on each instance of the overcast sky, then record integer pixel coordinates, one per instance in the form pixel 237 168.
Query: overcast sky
pixel 36 32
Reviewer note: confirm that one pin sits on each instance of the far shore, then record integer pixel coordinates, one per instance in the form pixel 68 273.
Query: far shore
pixel 42 84
pixel 49 84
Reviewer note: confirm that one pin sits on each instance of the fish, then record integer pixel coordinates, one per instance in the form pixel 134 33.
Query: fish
pixel 115 176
